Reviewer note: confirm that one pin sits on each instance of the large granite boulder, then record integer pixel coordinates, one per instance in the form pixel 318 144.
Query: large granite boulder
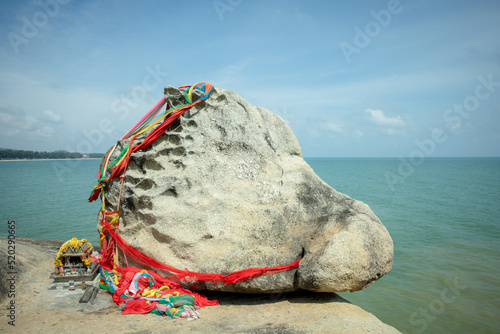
pixel 226 188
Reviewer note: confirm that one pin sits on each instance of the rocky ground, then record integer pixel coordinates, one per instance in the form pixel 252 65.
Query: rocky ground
pixel 41 310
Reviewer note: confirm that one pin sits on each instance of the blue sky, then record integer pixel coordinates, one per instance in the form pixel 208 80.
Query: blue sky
pixel 352 79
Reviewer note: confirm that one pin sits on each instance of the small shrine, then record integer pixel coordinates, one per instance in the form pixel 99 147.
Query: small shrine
pixel 72 262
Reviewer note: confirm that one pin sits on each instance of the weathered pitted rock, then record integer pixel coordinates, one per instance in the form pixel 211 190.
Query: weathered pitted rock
pixel 226 188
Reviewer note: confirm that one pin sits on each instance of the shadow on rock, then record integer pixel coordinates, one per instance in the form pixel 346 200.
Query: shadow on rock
pixel 304 297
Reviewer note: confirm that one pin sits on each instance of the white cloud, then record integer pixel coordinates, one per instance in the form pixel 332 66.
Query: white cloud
pixel 51 117
pixel 45 131
pixel 359 133
pixel 378 117
pixel 313 132
pixel 331 127
pixel 16 126
pixel 394 132
pixel 302 17
pixel 14 120
pixel 235 68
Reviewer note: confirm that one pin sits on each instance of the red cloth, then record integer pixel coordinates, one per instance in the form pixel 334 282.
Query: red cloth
pixel 231 278
pixel 139 306
pixel 128 274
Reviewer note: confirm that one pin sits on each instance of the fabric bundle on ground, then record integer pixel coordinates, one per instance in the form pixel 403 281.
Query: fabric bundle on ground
pixel 141 291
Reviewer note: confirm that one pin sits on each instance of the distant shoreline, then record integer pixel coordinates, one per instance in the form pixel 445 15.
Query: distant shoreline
pixel 50 159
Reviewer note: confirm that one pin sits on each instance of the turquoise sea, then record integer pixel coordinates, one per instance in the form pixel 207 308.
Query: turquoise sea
pixel 443 215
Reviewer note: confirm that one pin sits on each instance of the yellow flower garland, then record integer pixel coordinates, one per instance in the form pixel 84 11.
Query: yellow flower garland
pixel 74 244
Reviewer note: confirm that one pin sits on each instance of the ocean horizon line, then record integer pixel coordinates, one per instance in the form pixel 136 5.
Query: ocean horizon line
pixel 407 157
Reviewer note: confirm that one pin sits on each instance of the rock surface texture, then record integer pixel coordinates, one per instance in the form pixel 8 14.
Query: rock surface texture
pixel 42 310
pixel 226 188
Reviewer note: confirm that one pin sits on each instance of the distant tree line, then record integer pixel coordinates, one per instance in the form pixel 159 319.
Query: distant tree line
pixel 95 155
pixel 6 154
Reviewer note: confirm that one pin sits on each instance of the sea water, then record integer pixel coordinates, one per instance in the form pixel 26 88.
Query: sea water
pixel 444 219
pixel 443 215
pixel 48 198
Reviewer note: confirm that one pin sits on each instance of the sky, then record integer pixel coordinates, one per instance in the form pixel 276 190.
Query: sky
pixel 409 78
